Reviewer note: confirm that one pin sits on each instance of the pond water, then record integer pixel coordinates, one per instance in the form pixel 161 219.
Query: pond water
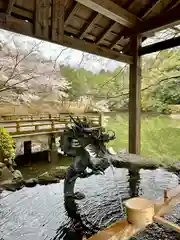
pixel 39 214
pixel 39 164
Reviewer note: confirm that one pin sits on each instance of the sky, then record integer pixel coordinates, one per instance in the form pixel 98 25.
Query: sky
pixel 50 51
pixel 70 56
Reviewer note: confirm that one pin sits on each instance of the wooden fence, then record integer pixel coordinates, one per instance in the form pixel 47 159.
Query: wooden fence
pixel 22 125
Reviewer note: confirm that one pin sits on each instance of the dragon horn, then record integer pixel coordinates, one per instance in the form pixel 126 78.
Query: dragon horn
pixel 76 123
pixel 79 121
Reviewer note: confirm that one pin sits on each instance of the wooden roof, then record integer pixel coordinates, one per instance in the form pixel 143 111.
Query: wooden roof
pixel 101 27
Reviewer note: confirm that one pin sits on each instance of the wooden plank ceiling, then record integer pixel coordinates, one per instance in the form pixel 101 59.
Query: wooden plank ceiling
pixel 101 27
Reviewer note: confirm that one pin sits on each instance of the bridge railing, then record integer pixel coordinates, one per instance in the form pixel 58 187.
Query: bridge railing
pixel 46 123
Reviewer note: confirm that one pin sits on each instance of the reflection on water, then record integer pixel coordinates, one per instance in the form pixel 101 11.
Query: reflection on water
pixel 38 213
pixel 78 227
pixel 134 181
pixel 39 164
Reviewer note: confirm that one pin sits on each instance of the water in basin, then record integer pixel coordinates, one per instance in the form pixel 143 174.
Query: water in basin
pixel 38 213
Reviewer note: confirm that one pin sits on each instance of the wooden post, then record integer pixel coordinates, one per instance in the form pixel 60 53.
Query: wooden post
pixel 50 148
pixel 36 128
pixel 135 97
pixel 101 119
pixel 17 127
pixel 52 153
pixel 52 125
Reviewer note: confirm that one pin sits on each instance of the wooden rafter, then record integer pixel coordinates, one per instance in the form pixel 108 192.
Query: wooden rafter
pixel 74 11
pixel 105 33
pixel 58 20
pixel 22 12
pixel 160 6
pixel 10 6
pixel 155 9
pixel 19 26
pixel 42 18
pixel 157 23
pixel 112 11
pixel 94 18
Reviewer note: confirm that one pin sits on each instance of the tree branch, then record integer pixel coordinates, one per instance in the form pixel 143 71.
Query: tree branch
pixel 17 63
pixel 146 88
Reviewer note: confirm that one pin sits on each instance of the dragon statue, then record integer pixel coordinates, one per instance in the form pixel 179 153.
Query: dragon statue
pixel 90 152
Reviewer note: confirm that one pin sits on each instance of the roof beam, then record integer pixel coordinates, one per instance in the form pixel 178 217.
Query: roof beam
pixel 105 33
pixel 112 11
pixel 157 8
pixel 26 28
pixel 157 23
pixel 154 10
pixel 170 43
pixel 95 49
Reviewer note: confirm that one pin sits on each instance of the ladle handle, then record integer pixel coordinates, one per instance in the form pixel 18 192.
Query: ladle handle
pixel 165 195
pixel 166 223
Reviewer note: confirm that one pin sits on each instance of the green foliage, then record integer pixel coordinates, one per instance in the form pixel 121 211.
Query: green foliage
pixel 160 137
pixel 6 145
pixel 159 88
pixel 166 94
pixel 105 85
pixel 160 78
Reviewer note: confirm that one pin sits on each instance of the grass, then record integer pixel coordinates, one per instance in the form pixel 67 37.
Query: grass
pixel 160 137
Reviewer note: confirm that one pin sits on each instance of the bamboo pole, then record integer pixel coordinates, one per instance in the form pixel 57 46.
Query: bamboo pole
pixel 167 223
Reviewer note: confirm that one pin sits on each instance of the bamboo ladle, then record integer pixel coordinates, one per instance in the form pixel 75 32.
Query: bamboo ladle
pixel 140 213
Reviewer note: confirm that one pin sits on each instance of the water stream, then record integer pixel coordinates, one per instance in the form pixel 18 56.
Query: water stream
pixel 39 214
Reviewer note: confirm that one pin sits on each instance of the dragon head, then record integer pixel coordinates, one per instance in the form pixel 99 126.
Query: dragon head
pixel 86 134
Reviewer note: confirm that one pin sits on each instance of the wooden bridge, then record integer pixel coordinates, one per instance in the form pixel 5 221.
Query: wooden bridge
pixel 35 133
pixel 27 125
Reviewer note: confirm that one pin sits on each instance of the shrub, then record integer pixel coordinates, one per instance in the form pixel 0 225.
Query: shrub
pixel 7 149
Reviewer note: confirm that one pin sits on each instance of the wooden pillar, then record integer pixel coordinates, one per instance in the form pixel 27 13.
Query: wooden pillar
pixel 135 97
pixel 52 153
pixel 100 119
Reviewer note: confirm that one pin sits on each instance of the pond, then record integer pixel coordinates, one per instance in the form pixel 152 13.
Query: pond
pixel 160 138
pixel 38 213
